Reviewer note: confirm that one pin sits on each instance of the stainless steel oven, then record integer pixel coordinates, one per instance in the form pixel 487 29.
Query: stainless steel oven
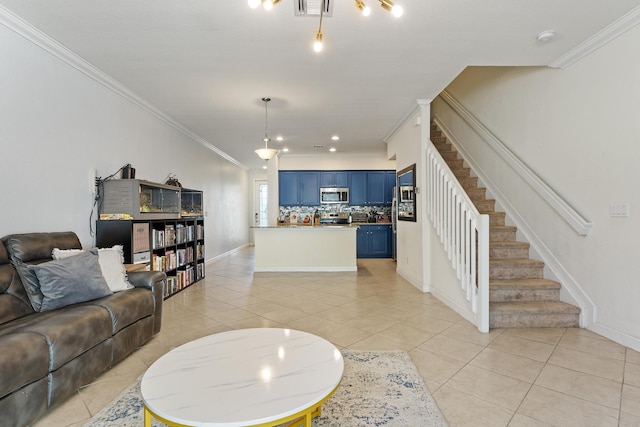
pixel 334 195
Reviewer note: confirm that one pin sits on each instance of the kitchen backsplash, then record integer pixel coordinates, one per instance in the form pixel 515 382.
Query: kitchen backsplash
pixel 380 213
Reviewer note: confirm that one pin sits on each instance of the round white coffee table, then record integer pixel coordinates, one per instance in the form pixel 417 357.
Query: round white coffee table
pixel 246 377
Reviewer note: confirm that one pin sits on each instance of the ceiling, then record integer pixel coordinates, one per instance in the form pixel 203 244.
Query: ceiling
pixel 208 63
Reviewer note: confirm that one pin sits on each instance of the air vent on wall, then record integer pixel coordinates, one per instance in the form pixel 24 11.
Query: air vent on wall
pixel 312 7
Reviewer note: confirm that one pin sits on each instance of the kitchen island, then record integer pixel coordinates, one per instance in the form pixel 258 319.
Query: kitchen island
pixel 305 248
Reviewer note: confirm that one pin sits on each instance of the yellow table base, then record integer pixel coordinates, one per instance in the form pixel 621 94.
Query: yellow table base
pixel 302 418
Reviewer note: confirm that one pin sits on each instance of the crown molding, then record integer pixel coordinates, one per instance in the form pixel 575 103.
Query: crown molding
pixel 420 103
pixel 24 29
pixel 602 37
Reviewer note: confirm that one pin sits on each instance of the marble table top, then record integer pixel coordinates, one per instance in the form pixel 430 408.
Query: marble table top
pixel 242 377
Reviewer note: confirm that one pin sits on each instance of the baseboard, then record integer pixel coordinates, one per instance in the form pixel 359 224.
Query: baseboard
pixel 614 335
pixel 415 282
pixel 226 254
pixel 313 269
pixel 461 310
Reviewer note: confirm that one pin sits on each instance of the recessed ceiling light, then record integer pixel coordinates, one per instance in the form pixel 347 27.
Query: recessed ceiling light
pixel 335 138
pixel 279 138
pixel 264 167
pixel 546 36
pixel 332 149
pixel 286 150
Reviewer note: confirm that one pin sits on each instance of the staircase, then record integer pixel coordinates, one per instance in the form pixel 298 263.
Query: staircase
pixel 519 295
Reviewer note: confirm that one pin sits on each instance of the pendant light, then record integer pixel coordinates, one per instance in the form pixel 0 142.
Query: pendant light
pixel 266 153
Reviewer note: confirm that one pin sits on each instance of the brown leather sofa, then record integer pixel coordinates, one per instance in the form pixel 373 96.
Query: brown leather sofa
pixel 46 356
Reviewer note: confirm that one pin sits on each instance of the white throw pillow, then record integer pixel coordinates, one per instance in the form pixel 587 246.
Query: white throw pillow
pixel 111 262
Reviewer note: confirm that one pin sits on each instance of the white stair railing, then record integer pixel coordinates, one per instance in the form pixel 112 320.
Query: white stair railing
pixel 463 231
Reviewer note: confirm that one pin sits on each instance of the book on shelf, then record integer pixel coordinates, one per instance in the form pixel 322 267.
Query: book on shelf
pixel 157 237
pixel 170 234
pixel 181 233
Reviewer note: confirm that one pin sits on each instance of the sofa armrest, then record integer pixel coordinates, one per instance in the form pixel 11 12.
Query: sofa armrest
pixel 146 279
pixel 155 281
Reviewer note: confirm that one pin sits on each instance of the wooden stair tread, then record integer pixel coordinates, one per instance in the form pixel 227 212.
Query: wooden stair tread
pixel 533 307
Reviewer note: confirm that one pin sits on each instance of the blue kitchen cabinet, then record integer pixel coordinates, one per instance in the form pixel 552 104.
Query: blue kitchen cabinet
pixel 390 185
pixel 362 242
pixel 405 179
pixel 357 188
pixel 309 188
pixel 299 188
pixel 373 241
pixel 334 179
pixel 376 188
pixel 288 188
pixel 367 188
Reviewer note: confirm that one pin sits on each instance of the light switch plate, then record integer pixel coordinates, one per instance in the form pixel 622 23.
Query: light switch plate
pixel 620 209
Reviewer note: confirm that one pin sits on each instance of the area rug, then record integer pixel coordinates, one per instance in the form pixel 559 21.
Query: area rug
pixel 379 388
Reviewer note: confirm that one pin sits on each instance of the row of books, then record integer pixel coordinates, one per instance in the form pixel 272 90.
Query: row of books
pixel 171 259
pixel 183 278
pixel 199 270
pixel 175 234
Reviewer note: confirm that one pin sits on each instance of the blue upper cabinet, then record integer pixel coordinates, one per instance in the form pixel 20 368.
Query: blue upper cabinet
pixel 368 188
pixel 358 188
pixel 334 179
pixel 309 189
pixel 390 185
pixel 296 188
pixel 376 188
pixel 288 188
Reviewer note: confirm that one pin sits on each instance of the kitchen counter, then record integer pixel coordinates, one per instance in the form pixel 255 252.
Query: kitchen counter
pixel 300 247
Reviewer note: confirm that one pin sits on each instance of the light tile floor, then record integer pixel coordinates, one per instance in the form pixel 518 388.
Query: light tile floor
pixel 514 377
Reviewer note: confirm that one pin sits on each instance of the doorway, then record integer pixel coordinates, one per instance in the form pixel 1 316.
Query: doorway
pixel 260 201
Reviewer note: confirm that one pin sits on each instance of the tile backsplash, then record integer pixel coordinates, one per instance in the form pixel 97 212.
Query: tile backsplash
pixel 307 211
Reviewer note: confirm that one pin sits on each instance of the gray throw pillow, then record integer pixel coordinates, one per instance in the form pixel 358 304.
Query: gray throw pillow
pixel 71 280
pixel 30 282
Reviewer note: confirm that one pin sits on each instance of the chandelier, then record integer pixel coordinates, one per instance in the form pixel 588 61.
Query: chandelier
pixel 304 7
pixel 266 153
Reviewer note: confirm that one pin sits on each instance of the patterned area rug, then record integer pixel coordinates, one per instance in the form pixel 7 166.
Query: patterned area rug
pixel 379 388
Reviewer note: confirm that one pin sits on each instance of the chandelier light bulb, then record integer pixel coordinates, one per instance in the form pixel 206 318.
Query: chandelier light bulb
pixel 268 4
pixel 254 3
pixel 317 46
pixel 364 9
pixel 397 11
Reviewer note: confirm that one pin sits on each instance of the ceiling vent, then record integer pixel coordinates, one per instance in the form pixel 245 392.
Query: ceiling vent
pixel 312 7
pixel 318 147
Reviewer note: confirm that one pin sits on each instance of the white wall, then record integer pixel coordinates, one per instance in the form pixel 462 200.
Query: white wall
pixel 57 125
pixel 578 129
pixel 407 148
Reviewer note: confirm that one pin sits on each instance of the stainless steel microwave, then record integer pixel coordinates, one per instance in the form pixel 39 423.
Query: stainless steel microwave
pixel 334 195
pixel 406 193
